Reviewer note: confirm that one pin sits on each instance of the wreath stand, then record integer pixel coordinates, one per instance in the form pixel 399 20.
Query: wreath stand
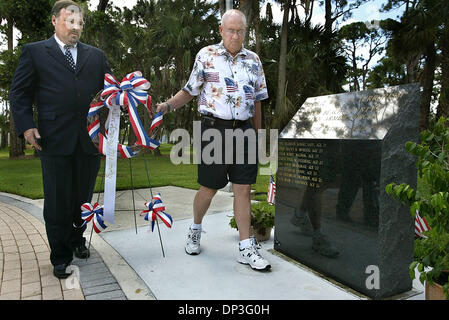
pixel 133 197
pixel 130 93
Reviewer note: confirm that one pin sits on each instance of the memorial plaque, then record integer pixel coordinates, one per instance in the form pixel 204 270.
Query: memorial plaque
pixel 335 158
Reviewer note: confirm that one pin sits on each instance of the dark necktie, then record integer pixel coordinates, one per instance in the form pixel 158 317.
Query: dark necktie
pixel 69 57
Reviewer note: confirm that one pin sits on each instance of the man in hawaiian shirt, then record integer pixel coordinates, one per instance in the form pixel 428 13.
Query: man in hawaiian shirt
pixel 230 83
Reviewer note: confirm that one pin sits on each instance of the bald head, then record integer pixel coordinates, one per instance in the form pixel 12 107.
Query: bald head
pixel 233 13
pixel 232 30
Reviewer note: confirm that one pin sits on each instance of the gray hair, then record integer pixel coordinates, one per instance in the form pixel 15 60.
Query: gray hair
pixel 233 12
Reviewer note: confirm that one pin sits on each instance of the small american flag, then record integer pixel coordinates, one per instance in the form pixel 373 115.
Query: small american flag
pixel 254 68
pixel 248 92
pixel 212 76
pixel 271 190
pixel 420 225
pixel 203 101
pixel 231 86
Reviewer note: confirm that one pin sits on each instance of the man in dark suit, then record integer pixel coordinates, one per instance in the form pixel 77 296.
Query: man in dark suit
pixel 61 76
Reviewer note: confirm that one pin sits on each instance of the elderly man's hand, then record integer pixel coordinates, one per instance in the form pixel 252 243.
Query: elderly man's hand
pixel 31 135
pixel 164 107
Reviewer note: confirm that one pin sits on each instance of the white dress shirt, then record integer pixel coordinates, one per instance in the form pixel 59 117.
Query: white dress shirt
pixel 73 50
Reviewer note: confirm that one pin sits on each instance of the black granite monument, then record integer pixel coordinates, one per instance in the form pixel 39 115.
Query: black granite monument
pixel 335 158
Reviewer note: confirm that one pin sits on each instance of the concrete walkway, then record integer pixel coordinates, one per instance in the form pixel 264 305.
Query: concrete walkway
pixel 129 265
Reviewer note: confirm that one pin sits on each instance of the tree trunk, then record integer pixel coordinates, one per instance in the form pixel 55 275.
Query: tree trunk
pixel 3 139
pixel 327 40
pixel 247 6
pixel 10 35
pixel 131 136
pixel 308 11
pixel 257 30
pixel 280 98
pixel 102 5
pixel 427 84
pixel 222 6
pixel 328 18
pixel 443 102
pixel 17 144
pixel 412 67
pixel 354 67
pixel 256 24
pixel 364 74
pixel 189 118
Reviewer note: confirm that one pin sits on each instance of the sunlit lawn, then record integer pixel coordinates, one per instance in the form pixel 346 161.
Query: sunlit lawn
pixel 23 176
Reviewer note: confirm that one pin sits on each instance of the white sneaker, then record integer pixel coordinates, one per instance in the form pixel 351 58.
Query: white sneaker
pixel 252 257
pixel 255 243
pixel 193 241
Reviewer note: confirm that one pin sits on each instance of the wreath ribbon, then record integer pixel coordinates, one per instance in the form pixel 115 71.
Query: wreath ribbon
pixel 128 93
pixel 93 213
pixel 156 210
pixel 116 96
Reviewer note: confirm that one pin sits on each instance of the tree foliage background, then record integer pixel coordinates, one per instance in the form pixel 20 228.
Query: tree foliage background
pixel 300 59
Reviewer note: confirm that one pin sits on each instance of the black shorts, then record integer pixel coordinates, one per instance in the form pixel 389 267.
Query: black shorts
pixel 238 166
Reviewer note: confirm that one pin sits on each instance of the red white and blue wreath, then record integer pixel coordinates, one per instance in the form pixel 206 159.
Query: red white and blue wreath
pixel 128 94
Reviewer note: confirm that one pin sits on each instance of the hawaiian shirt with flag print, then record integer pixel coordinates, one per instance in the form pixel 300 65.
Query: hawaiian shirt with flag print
pixel 227 86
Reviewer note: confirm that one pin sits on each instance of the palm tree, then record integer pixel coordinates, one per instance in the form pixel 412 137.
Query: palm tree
pixel 281 105
pixel 418 34
pixel 306 66
pixel 181 29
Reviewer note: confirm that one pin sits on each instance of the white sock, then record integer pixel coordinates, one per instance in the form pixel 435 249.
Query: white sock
pixel 245 244
pixel 196 226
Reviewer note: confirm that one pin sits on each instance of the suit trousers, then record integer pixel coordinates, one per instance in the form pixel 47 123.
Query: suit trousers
pixel 69 182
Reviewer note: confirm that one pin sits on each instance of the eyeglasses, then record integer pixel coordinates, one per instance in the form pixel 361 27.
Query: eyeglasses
pixel 231 32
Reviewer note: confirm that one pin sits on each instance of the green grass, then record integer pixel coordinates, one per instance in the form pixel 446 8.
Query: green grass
pixel 23 176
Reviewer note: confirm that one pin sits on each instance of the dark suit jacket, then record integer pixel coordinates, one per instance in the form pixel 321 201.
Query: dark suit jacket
pixel 62 96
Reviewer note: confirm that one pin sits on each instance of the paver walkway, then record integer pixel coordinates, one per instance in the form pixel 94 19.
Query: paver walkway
pixel 25 268
pixel 26 272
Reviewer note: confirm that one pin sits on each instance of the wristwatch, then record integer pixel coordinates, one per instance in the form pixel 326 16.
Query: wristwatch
pixel 168 106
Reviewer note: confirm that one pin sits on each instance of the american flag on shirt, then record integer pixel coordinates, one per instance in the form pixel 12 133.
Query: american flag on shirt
pixel 420 225
pixel 203 100
pixel 231 86
pixel 248 92
pixel 271 190
pixel 212 76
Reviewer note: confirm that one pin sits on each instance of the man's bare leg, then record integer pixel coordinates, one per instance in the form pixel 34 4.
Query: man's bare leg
pixel 242 209
pixel 201 203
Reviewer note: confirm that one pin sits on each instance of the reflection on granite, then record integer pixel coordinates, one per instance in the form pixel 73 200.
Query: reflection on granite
pixel 354 115
pixel 331 205
pixel 334 159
